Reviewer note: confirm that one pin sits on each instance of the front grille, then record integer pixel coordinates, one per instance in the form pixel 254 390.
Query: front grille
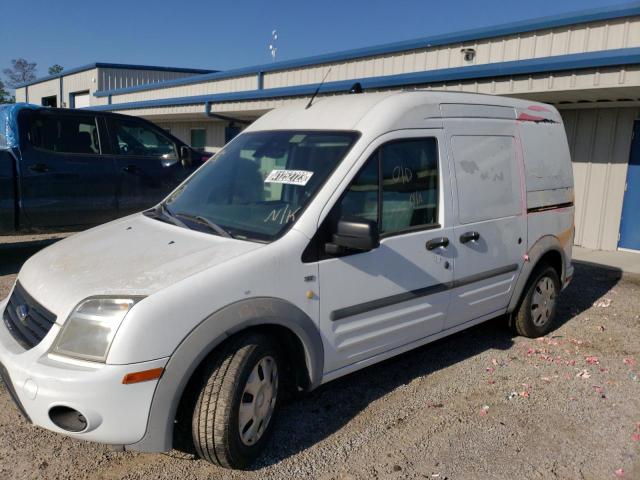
pixel 26 319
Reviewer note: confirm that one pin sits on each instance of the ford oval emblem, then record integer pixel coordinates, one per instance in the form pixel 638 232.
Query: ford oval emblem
pixel 22 311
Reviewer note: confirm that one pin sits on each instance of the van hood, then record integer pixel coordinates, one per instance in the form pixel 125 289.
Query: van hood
pixel 131 256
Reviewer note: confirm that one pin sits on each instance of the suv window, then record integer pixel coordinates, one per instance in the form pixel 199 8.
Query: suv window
pixel 64 133
pixel 407 197
pixel 133 138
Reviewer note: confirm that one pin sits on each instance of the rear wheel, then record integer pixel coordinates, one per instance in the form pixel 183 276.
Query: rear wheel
pixel 537 310
pixel 233 414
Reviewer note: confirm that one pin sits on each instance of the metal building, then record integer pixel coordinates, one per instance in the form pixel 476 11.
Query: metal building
pixel 76 87
pixel 587 64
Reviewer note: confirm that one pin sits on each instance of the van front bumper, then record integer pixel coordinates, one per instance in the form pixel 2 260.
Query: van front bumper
pixel 115 413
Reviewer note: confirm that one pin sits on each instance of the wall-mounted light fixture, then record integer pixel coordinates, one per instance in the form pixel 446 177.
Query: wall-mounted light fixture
pixel 469 54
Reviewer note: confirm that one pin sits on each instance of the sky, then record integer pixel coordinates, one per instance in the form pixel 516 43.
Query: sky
pixel 221 35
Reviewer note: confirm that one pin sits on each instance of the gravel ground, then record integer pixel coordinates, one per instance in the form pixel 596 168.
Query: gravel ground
pixel 480 404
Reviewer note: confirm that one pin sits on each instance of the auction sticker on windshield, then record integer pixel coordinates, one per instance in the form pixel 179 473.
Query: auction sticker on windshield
pixel 290 177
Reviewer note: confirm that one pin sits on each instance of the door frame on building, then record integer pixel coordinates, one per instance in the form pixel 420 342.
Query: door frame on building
pixel 629 238
pixel 74 95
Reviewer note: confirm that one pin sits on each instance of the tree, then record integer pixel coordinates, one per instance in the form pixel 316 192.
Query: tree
pixel 55 69
pixel 5 97
pixel 21 71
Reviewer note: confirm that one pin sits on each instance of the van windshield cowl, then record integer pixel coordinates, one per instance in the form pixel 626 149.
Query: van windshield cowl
pixel 259 184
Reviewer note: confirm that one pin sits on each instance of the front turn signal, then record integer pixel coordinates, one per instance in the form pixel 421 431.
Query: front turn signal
pixel 144 376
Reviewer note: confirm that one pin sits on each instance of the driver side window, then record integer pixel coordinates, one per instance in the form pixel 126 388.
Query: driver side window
pixel 135 139
pixel 406 198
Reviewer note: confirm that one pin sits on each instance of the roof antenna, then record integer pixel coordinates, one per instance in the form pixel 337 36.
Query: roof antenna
pixel 317 89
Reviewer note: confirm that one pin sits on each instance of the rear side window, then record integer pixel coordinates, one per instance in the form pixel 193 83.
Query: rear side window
pixel 136 139
pixel 64 133
pixel 487 177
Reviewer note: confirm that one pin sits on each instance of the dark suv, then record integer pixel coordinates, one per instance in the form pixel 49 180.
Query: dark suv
pixel 63 169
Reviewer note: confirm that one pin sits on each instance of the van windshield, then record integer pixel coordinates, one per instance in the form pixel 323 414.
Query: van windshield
pixel 259 184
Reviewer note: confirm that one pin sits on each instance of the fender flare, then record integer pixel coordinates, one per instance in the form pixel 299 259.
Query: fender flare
pixel 203 339
pixel 542 246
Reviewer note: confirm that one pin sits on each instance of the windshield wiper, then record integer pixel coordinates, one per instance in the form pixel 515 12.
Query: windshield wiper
pixel 162 213
pixel 202 220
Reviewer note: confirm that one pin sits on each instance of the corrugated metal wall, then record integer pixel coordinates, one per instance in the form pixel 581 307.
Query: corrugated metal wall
pixel 182 130
pixel 79 82
pixel 236 84
pixel 21 95
pixel 581 38
pixel 112 78
pixel 44 89
pixel 600 141
pixel 589 37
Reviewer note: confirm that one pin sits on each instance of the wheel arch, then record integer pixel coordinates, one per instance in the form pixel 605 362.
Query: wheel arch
pixel 546 249
pixel 294 329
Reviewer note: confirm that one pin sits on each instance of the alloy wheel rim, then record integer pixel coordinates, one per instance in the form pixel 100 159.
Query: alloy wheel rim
pixel 543 301
pixel 258 400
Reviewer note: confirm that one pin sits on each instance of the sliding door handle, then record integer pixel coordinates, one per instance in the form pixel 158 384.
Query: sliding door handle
pixel 437 242
pixel 469 237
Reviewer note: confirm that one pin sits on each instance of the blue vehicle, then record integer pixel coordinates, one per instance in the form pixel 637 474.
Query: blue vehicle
pixel 63 169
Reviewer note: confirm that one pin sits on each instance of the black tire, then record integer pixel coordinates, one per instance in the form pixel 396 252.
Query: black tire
pixel 528 320
pixel 217 436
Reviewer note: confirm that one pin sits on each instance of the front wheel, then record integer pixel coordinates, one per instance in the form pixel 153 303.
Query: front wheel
pixel 233 415
pixel 537 310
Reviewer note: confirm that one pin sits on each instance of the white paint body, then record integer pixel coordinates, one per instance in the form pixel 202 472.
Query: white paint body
pixel 496 166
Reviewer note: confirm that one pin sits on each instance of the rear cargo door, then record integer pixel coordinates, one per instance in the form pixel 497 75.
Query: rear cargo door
pixel 489 236
pixel 66 178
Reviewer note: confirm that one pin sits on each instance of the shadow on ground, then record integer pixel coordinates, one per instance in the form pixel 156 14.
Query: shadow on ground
pixel 317 415
pixel 13 255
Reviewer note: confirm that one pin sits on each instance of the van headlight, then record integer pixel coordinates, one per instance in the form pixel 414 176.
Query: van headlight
pixel 88 332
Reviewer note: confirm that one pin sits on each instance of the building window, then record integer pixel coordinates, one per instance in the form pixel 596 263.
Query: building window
pixel 51 101
pixel 198 138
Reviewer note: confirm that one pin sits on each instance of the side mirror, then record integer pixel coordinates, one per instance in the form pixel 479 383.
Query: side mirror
pixel 185 156
pixel 354 234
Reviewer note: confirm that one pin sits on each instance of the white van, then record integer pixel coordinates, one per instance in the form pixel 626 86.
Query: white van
pixel 321 240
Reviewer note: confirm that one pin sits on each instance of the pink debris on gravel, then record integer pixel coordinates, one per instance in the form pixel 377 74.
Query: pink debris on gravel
pixel 619 473
pixel 592 360
pixel 629 362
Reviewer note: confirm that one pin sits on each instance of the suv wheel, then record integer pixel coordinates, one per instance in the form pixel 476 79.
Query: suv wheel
pixel 537 310
pixel 233 415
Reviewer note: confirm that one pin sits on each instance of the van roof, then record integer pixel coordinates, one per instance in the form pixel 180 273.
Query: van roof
pixel 386 111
